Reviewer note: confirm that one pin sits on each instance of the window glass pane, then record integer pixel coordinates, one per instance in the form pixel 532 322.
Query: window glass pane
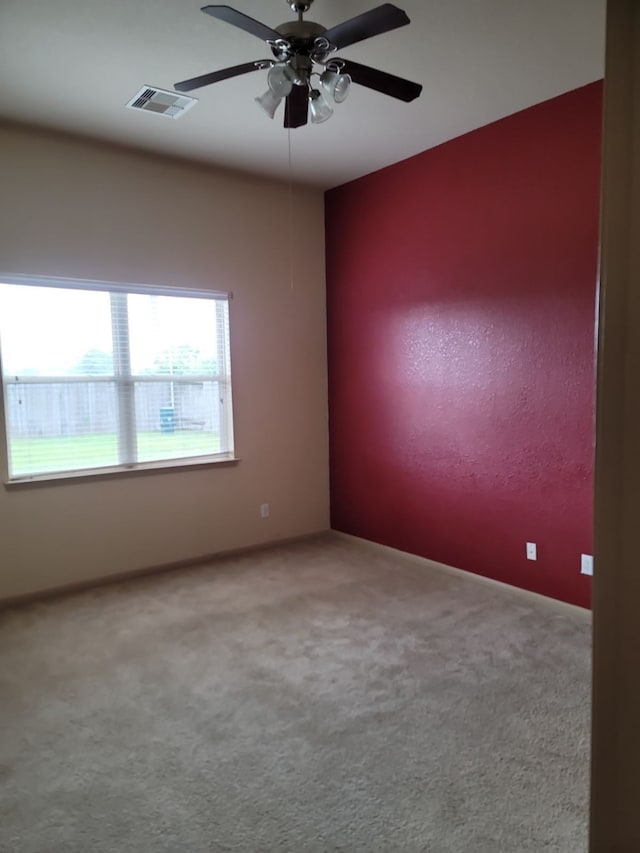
pixel 177 419
pixel 48 331
pixel 58 426
pixel 105 378
pixel 172 335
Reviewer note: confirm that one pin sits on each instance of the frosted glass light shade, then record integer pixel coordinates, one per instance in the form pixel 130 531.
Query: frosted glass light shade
pixel 319 107
pixel 269 102
pixel 280 80
pixel 337 85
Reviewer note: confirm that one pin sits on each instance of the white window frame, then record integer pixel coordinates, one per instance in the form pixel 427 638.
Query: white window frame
pixel 125 381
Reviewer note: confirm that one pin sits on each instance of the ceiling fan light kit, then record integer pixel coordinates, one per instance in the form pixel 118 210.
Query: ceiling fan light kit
pixel 303 52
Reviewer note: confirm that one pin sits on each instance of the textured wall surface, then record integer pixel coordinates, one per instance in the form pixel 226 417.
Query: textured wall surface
pixel 461 310
pixel 76 209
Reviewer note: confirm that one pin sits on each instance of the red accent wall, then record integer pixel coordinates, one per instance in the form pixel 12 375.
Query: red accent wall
pixel 461 312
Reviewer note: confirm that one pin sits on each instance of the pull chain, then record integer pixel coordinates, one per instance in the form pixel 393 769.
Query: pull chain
pixel 290 212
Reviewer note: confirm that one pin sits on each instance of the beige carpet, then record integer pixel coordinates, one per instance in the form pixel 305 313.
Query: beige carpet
pixel 312 697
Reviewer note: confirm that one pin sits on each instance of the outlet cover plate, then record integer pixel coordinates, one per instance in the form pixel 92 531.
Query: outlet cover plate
pixel 532 551
pixel 586 564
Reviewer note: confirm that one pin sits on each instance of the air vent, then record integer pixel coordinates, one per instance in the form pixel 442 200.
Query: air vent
pixel 159 101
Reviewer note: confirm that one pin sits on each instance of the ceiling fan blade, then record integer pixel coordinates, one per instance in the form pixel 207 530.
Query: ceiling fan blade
pixel 388 84
pixel 296 112
pixel 215 76
pixel 243 22
pixel 373 23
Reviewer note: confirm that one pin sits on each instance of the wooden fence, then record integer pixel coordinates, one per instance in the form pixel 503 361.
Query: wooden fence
pixel 81 408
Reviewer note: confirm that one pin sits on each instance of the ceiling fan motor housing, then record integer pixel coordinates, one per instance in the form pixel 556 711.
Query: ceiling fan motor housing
pixel 301 30
pixel 300 39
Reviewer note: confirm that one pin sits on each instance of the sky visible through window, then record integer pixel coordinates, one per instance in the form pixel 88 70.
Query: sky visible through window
pixel 48 331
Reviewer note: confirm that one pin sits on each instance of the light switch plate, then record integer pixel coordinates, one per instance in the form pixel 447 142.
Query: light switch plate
pixel 532 551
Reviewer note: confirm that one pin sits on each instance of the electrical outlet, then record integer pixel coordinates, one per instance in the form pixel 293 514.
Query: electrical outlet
pixel 264 511
pixel 532 551
pixel 586 564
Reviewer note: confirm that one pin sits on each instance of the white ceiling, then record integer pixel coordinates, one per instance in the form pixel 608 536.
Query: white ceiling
pixel 73 64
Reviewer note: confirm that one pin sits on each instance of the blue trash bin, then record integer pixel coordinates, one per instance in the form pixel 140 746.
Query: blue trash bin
pixel 167 419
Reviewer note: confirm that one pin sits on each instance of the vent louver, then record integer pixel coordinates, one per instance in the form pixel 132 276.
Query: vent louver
pixel 161 102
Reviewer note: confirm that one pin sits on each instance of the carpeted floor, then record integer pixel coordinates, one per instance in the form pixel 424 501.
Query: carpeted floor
pixel 318 696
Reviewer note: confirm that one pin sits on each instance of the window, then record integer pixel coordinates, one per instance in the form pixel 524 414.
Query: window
pixel 101 377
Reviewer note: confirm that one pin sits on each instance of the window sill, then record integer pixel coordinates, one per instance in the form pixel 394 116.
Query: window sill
pixel 145 468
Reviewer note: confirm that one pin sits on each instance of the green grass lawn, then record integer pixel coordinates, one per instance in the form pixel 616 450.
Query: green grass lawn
pixel 42 455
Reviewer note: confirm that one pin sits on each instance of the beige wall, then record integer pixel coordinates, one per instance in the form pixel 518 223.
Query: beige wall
pixel 615 797
pixel 76 209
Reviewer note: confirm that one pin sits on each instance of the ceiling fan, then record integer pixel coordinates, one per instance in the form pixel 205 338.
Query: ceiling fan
pixel 299 47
